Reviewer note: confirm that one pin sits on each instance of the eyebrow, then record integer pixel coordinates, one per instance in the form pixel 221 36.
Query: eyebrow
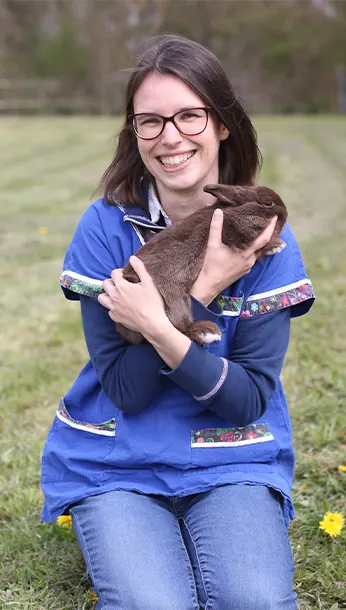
pixel 180 110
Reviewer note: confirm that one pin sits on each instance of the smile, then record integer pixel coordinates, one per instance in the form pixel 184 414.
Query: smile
pixel 176 160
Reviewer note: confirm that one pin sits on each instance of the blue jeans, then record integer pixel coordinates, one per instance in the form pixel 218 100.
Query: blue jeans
pixel 225 549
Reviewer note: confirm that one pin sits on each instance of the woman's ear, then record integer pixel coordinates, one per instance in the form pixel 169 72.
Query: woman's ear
pixel 223 131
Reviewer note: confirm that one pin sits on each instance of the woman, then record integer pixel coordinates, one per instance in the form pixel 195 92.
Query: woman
pixel 175 460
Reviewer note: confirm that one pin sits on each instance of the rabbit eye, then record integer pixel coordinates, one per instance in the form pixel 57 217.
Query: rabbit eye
pixel 269 204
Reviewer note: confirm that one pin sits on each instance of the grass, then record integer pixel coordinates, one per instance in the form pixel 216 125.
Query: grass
pixel 50 168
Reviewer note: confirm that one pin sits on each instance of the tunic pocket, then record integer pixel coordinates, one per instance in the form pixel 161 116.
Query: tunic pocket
pixel 106 428
pixel 233 445
pixel 75 449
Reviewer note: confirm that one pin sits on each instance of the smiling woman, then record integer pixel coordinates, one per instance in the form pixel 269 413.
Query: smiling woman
pixel 166 81
pixel 186 156
pixel 161 451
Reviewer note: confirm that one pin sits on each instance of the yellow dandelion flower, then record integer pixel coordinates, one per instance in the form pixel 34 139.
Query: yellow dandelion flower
pixel 92 596
pixel 332 524
pixel 64 521
pixel 342 468
pixel 43 230
pixel 303 486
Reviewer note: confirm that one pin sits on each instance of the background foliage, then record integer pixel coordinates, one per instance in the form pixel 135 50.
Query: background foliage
pixel 71 55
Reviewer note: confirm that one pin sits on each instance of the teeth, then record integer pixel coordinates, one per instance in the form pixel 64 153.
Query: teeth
pixel 176 160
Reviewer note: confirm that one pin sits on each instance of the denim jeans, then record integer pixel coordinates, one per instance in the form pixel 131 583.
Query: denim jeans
pixel 225 549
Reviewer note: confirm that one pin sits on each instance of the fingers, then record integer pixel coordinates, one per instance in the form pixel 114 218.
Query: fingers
pixel 105 300
pixel 265 236
pixel 215 231
pixel 109 287
pixel 140 269
pixel 117 276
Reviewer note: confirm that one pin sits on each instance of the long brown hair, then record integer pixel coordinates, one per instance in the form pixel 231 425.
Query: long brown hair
pixel 200 69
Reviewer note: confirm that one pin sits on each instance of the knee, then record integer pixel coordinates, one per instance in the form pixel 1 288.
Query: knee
pixel 145 600
pixel 251 599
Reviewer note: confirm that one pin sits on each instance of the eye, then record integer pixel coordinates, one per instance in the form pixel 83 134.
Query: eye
pixel 188 115
pixel 148 120
pixel 269 204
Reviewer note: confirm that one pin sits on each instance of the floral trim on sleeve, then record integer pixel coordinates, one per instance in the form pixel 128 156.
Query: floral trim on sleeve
pixel 280 298
pixel 106 428
pixel 231 437
pixel 81 284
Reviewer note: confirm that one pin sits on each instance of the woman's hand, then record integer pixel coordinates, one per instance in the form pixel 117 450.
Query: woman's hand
pixel 137 306
pixel 223 266
pixel 140 307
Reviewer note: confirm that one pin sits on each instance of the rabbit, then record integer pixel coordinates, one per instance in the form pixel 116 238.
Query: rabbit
pixel 174 257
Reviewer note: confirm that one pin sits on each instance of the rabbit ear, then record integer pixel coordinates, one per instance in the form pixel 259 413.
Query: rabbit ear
pixel 223 192
pixel 212 188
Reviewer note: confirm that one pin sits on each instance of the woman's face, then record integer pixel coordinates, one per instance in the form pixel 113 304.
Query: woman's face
pixel 178 162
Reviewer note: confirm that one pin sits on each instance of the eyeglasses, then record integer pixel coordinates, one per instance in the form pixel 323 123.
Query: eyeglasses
pixel 189 122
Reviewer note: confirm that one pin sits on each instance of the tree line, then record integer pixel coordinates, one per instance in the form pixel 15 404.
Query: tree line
pixel 282 56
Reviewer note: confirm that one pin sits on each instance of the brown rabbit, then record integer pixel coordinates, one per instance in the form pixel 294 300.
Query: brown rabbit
pixel 175 256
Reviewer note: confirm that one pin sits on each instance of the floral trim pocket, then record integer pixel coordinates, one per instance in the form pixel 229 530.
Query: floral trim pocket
pixel 106 428
pixel 231 437
pixel 250 444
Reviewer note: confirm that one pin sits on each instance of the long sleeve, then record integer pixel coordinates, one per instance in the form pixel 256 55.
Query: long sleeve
pixel 129 374
pixel 238 381
pixel 237 389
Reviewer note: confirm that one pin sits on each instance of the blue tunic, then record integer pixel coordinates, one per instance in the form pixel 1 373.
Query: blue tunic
pixel 129 422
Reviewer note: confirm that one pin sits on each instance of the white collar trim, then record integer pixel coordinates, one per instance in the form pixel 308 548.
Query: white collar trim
pixel 155 207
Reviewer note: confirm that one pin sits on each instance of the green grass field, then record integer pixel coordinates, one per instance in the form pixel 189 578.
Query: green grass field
pixel 49 169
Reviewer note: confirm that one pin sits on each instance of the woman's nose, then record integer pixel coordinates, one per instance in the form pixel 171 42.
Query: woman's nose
pixel 170 134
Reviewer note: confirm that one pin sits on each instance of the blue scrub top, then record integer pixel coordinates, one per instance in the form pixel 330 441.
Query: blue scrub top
pixel 183 441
